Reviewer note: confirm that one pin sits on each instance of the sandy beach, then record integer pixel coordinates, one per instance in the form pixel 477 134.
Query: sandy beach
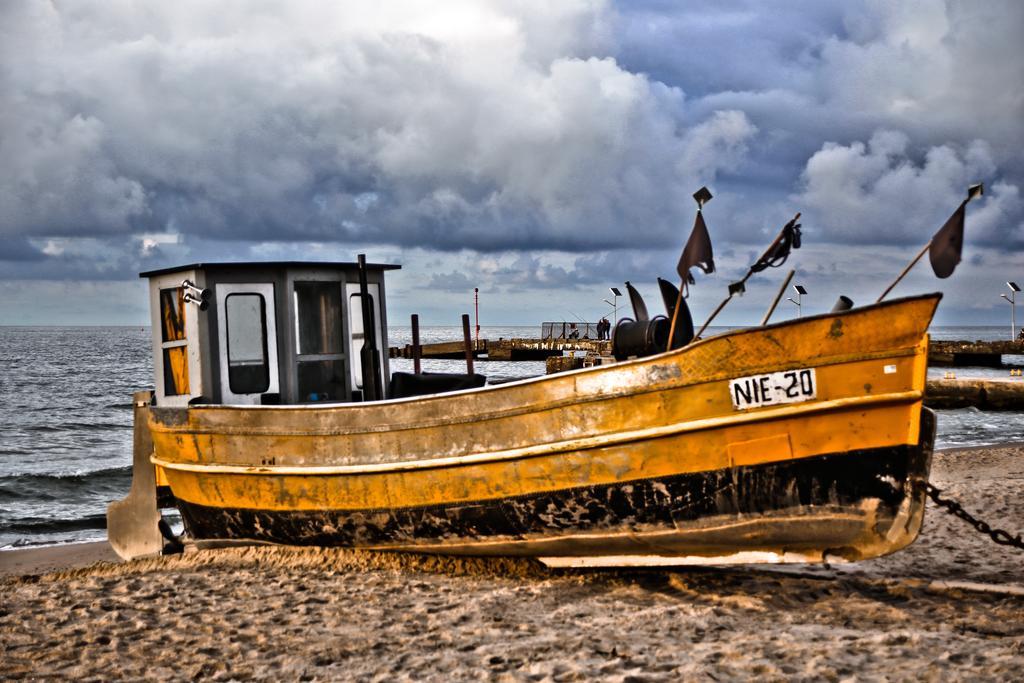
pixel 949 607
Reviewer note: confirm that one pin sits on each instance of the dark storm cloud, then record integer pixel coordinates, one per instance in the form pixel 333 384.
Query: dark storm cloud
pixel 522 145
pixel 472 127
pixel 731 46
pixel 18 249
pixel 453 281
pixel 873 112
pixel 874 193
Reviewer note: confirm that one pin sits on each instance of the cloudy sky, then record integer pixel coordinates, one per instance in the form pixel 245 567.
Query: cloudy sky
pixel 539 151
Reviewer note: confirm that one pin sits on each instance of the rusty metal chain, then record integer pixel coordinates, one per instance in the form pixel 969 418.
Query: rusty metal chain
pixel 952 507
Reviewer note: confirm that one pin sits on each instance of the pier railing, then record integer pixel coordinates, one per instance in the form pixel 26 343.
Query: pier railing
pixel 568 330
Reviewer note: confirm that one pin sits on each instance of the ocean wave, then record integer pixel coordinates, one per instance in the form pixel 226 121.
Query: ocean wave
pixel 16 451
pixel 78 427
pixel 51 542
pixel 38 526
pixel 61 486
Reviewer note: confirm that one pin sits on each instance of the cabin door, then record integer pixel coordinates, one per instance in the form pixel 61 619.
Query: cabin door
pixel 355 326
pixel 248 342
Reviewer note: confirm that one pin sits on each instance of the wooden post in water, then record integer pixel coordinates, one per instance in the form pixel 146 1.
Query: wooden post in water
pixel 416 350
pixel 467 342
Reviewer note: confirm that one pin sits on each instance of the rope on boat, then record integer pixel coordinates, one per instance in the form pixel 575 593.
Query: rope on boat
pixel 954 508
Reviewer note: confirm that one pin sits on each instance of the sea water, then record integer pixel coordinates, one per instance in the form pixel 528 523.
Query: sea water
pixel 66 418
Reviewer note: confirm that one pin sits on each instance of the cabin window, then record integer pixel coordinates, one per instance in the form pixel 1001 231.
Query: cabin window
pixel 172 313
pixel 318 324
pixel 246 321
pixel 174 344
pixel 318 338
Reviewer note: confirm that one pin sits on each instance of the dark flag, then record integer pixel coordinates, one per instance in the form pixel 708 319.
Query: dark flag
pixel 697 251
pixel 948 242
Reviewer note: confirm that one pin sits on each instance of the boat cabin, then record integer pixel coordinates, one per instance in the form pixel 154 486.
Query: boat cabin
pixel 269 333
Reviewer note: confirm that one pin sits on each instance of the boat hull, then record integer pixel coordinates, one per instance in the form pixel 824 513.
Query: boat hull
pixel 651 457
pixel 844 506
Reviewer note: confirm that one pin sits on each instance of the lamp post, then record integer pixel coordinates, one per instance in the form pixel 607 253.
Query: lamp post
pixel 1012 300
pixel 476 311
pixel 615 303
pixel 800 291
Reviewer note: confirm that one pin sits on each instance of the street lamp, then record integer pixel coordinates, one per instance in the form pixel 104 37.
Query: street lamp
pixel 615 306
pixel 476 310
pixel 800 291
pixel 1012 300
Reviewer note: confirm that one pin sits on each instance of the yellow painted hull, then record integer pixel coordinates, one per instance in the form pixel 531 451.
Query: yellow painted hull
pixel 647 457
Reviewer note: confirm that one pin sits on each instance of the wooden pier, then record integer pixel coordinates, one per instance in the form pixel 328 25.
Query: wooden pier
pixel 441 350
pixel 985 394
pixel 987 354
pixel 505 349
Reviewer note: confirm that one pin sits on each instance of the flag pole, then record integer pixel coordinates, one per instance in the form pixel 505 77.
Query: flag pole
pixel 713 315
pixel 675 314
pixel 733 289
pixel 906 270
pixel 701 196
pixel 778 297
pixel 954 223
pixel 739 287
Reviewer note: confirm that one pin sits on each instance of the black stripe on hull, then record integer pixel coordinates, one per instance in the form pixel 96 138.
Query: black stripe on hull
pixel 878 479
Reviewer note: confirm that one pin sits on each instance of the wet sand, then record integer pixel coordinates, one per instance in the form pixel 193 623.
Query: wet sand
pixel 55 557
pixel 314 614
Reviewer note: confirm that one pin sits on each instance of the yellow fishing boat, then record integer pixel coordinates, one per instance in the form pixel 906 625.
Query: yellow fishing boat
pixel 800 441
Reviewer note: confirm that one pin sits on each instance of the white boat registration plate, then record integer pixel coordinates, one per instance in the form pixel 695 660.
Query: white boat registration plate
pixel 775 388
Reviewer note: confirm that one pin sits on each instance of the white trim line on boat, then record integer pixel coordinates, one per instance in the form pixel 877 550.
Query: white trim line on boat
pixel 739 557
pixel 585 443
